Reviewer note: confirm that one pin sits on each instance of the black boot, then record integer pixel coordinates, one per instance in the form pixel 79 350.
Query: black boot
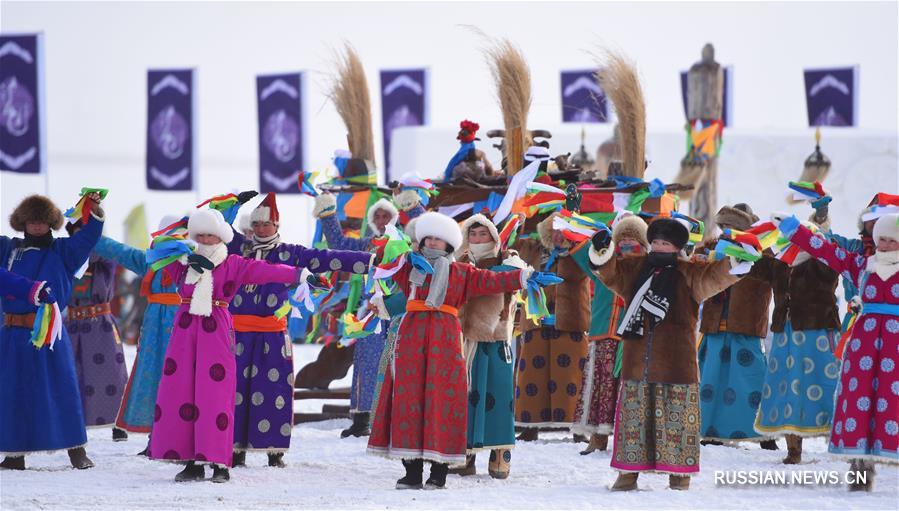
pixel 13 463
pixel 146 451
pixel 239 459
pixel 79 459
pixel 528 435
pixel 360 426
pixel 220 474
pixel 437 479
pixel 119 435
pixel 412 479
pixel 710 442
pixel 191 472
pixel 769 445
pixel 276 459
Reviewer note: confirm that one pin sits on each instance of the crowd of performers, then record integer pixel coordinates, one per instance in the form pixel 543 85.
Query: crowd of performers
pixel 527 314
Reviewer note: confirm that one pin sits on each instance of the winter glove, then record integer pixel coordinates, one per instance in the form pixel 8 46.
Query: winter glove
pixel 515 261
pixel 788 226
pixel 601 240
pixel 244 197
pixel 325 205
pixel 46 295
pixel 199 263
pixel 855 304
pixel 545 278
pixel 821 208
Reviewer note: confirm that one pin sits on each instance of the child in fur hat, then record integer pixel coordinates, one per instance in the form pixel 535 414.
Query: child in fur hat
pixel 263 417
pixel 731 363
pixel 487 323
pixel 866 418
pixel 422 410
pixel 552 354
pixel 657 422
pixel 194 418
pixel 367 350
pixel 40 406
pixel 595 414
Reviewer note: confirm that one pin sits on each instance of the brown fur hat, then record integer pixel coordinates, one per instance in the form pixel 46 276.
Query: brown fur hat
pixel 545 230
pixel 36 208
pixel 630 226
pixel 739 216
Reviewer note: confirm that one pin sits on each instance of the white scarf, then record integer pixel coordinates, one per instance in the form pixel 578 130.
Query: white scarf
pixel 884 264
pixel 201 300
pixel 481 250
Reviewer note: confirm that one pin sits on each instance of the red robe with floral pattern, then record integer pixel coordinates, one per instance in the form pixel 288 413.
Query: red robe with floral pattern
pixel 423 410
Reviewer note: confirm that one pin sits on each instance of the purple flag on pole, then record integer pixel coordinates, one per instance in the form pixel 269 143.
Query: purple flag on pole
pixel 170 129
pixel 728 93
pixel 831 96
pixel 21 96
pixel 582 99
pixel 404 102
pixel 279 100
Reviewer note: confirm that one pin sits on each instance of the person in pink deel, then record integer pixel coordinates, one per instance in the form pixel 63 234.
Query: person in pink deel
pixel 194 415
pixel 865 426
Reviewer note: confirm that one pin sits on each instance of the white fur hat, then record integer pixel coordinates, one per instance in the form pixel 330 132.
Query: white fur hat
pixel 482 220
pixel 439 226
pixel 383 204
pixel 243 222
pixel 209 221
pixel 887 227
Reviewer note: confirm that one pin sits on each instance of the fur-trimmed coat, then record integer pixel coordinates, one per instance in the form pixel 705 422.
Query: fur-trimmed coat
pixel 486 318
pixel 666 354
pixel 805 294
pixel 743 307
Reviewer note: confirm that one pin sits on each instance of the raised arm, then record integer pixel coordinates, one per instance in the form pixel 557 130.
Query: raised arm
pixel 334 234
pixel 708 279
pixel 321 261
pixel 480 282
pixel 838 259
pixel 252 271
pixel 129 257
pixel 77 248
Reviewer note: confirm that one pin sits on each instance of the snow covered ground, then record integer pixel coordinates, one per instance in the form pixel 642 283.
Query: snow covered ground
pixel 325 471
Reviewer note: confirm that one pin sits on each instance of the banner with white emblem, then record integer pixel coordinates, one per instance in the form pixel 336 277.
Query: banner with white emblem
pixel 22 147
pixel 404 102
pixel 583 101
pixel 831 96
pixel 170 129
pixel 279 100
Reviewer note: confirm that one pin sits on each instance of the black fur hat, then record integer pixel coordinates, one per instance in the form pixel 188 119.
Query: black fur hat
pixel 36 208
pixel 670 230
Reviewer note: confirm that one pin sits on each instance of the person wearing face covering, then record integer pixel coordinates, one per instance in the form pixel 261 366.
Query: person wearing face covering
pixel 263 415
pixel 195 403
pixel 40 405
pixel 731 363
pixel 487 323
pixel 367 350
pixel 136 411
pixel 802 372
pixel 595 413
pixel 866 418
pixel 658 417
pixel 422 409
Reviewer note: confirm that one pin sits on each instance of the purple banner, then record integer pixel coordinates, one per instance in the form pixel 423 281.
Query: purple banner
pixel 582 99
pixel 831 96
pixel 728 93
pixel 404 102
pixel 279 100
pixel 21 96
pixel 170 129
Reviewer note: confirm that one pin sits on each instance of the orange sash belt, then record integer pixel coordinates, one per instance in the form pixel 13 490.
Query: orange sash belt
pixel 252 323
pixel 164 298
pixel 420 306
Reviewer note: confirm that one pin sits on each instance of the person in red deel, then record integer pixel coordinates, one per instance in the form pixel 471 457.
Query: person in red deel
pixel 422 412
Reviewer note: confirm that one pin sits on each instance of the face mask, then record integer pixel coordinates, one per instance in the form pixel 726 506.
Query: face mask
pixel 630 248
pixel 481 250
